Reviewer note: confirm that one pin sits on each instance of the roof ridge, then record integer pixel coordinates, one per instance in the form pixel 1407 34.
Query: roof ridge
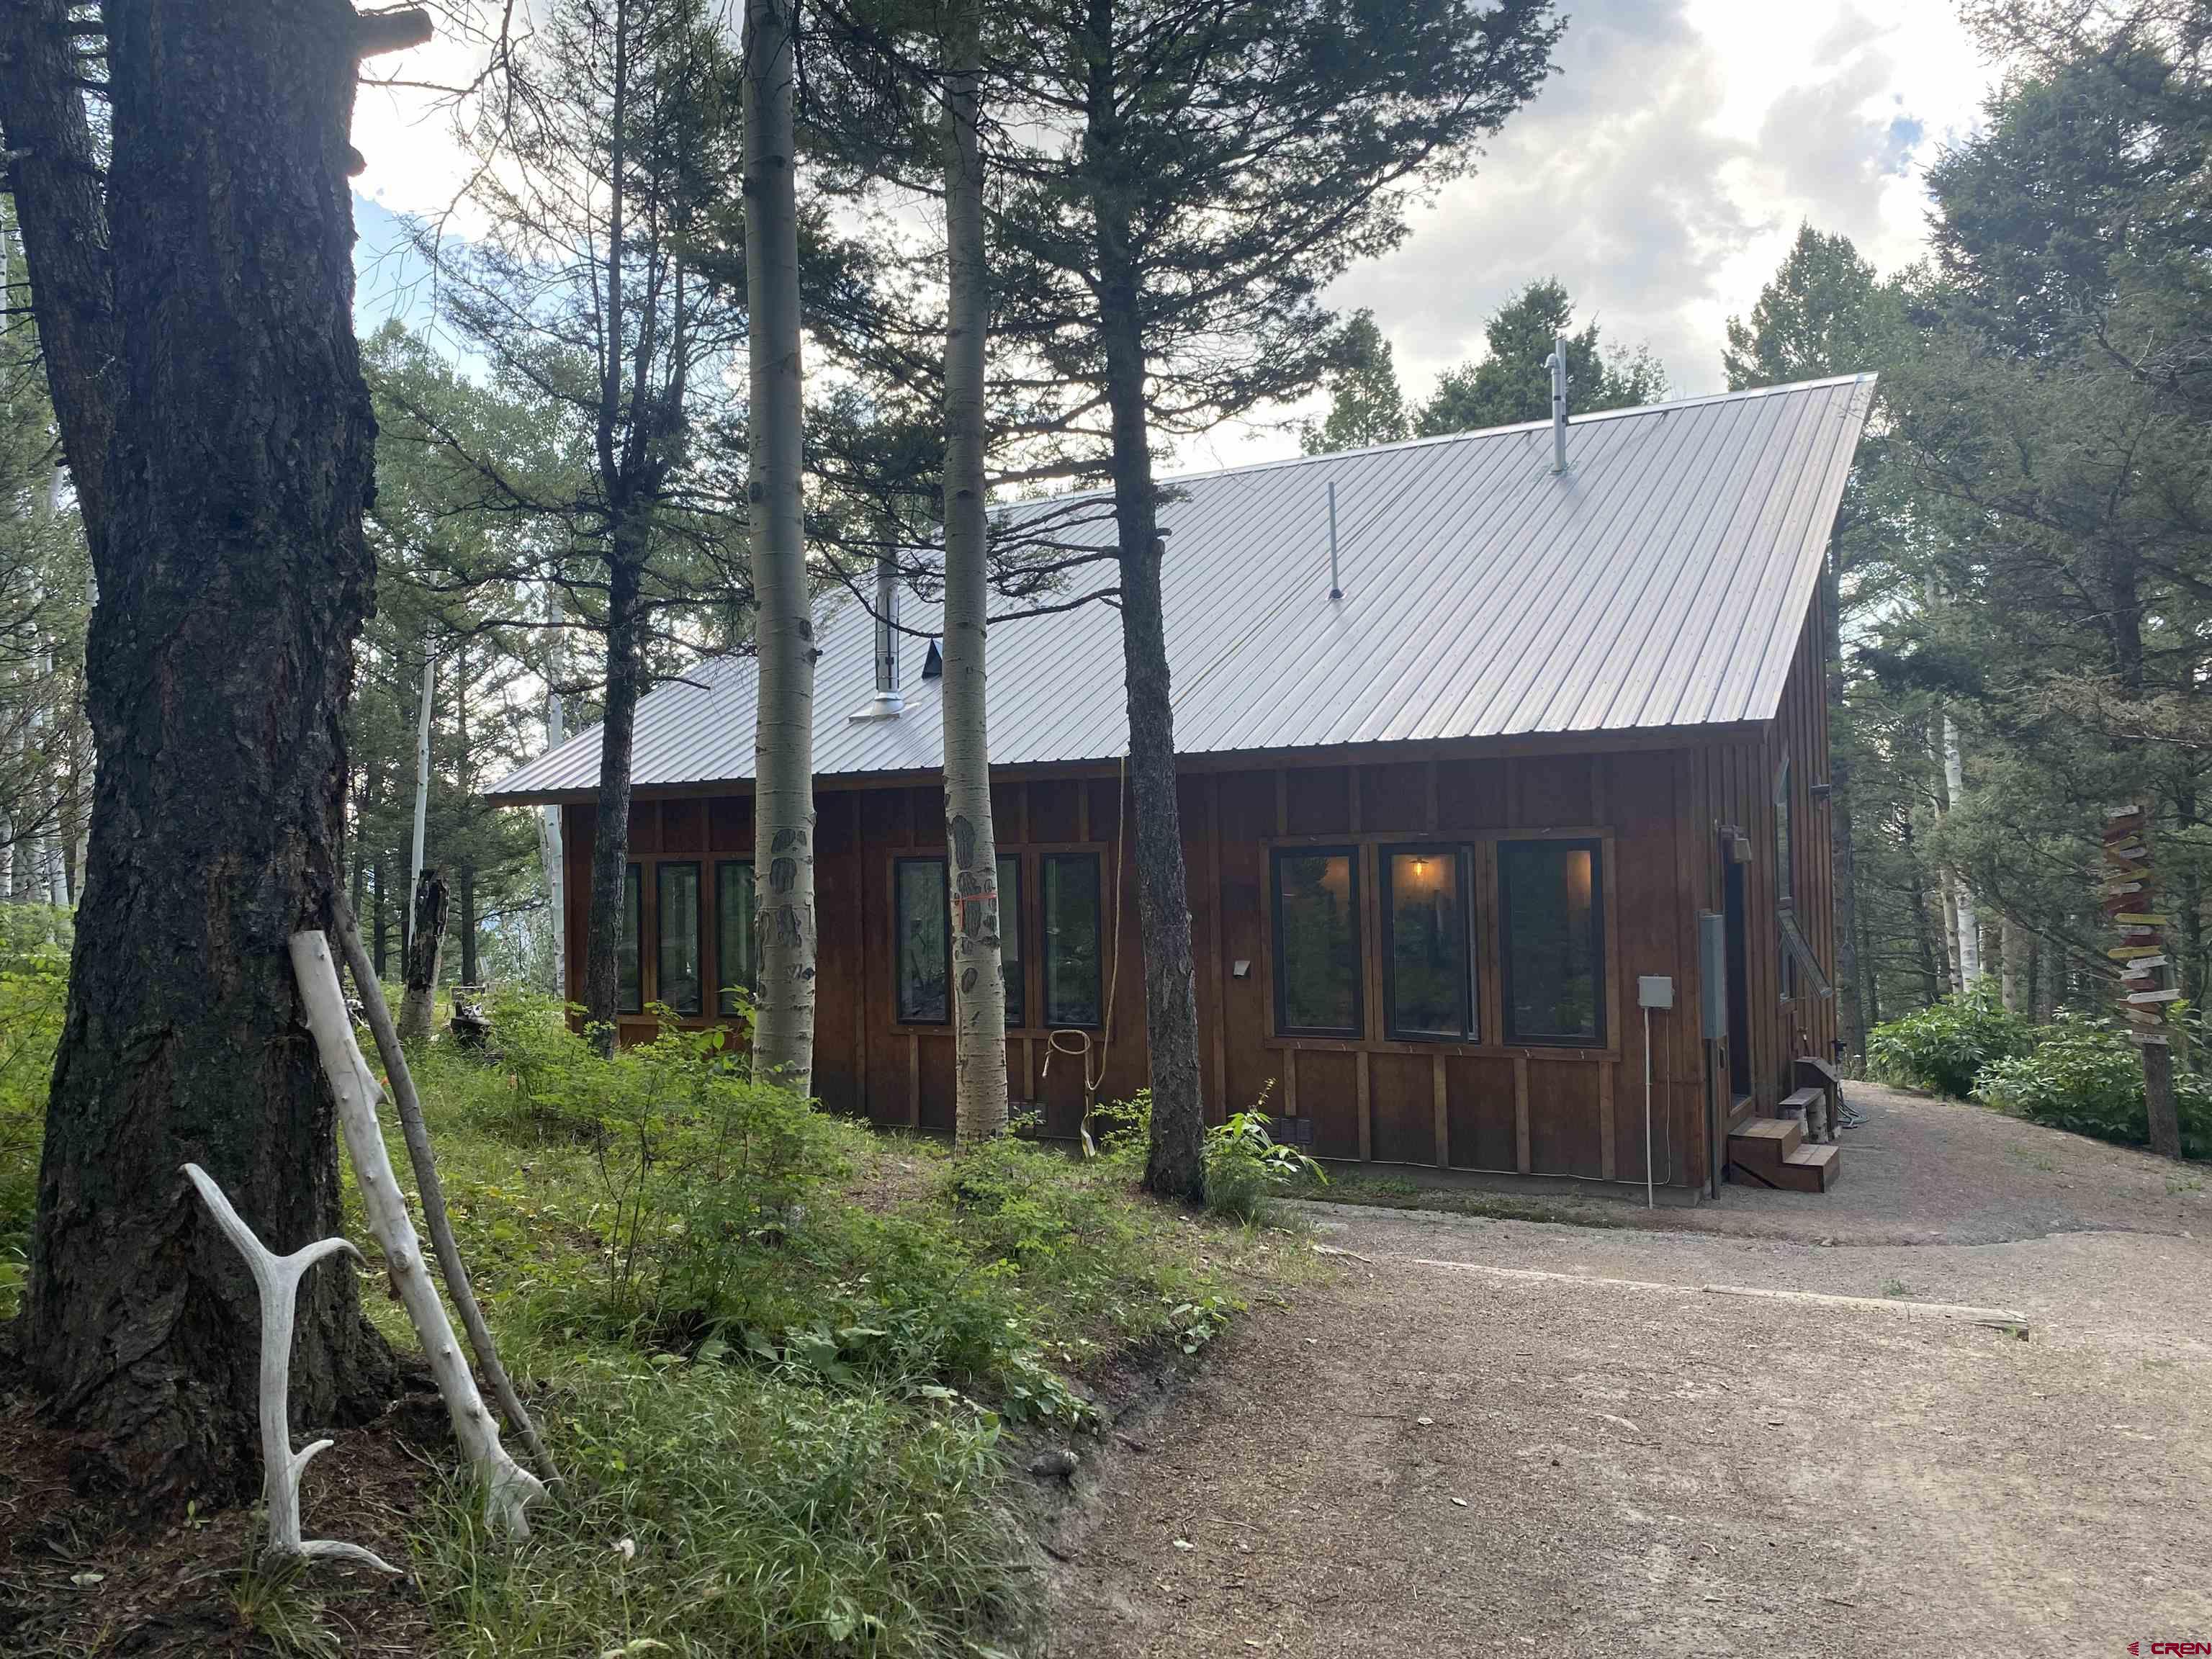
pixel 1744 394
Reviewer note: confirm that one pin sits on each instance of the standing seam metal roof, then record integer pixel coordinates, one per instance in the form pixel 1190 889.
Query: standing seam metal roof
pixel 1661 581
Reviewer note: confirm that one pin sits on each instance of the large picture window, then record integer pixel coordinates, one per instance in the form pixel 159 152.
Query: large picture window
pixel 676 891
pixel 1010 941
pixel 925 943
pixel 1316 897
pixel 629 986
pixel 733 933
pixel 1429 986
pixel 1553 942
pixel 1072 915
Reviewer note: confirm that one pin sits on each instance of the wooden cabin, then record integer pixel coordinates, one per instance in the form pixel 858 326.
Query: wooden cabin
pixel 1446 825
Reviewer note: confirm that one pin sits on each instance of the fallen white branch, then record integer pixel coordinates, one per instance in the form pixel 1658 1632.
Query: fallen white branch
pixel 417 1133
pixel 277 1279
pixel 510 1489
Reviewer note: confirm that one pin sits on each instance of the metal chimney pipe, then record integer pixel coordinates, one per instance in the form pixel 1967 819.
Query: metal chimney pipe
pixel 1335 590
pixel 888 699
pixel 1557 364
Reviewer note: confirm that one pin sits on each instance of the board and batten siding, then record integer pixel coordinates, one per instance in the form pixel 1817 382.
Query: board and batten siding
pixel 1659 813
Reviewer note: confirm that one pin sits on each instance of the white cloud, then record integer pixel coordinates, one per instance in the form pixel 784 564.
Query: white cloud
pixel 1661 175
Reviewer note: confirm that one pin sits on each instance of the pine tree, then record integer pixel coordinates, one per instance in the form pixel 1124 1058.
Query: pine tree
pixel 1232 159
pixel 1511 384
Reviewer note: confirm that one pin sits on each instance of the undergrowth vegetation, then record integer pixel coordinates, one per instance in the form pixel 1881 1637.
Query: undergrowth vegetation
pixel 34 947
pixel 785 1360
pixel 788 1365
pixel 2078 1073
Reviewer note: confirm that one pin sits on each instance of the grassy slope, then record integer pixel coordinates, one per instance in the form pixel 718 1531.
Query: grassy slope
pixel 790 1367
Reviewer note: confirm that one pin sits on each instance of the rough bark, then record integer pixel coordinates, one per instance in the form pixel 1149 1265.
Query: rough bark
pixel 2165 1125
pixel 971 843
pixel 63 223
pixel 233 578
pixel 1923 940
pixel 426 944
pixel 610 830
pixel 783 759
pixel 1176 1163
pixel 468 925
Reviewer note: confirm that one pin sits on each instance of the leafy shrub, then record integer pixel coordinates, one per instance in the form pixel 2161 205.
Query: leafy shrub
pixel 1246 1167
pixel 34 947
pixel 2084 1075
pixel 1942 1049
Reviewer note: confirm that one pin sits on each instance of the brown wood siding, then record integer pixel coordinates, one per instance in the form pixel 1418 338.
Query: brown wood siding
pixel 1483 1105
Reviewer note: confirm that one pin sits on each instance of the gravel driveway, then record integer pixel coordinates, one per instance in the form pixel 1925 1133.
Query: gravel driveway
pixel 1507 1437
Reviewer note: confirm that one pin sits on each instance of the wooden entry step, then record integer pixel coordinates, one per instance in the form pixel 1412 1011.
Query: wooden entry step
pixel 1812 1168
pixel 1772 1151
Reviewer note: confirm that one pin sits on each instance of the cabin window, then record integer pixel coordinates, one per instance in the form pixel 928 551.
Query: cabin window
pixel 1429 988
pixel 1317 941
pixel 1072 931
pixel 925 943
pixel 675 893
pixel 629 988
pixel 733 933
pixel 1009 940
pixel 1553 942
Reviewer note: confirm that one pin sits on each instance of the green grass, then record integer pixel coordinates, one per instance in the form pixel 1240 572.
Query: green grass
pixel 788 1364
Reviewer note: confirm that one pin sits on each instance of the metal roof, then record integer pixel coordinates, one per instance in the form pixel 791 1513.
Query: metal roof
pixel 1661 582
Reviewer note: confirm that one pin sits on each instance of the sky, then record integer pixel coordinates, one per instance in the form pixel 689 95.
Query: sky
pixel 1660 174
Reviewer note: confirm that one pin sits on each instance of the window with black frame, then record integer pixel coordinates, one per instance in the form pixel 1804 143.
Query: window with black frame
pixel 733 933
pixel 1316 918
pixel 1429 981
pixel 1009 940
pixel 925 942
pixel 677 938
pixel 1553 942
pixel 1074 941
pixel 1785 872
pixel 630 948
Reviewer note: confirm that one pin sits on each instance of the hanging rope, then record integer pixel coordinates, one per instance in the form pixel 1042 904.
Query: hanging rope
pixel 1079 1042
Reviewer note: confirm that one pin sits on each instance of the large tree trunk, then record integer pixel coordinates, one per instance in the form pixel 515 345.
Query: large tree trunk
pixel 979 992
pixel 783 755
pixel 610 827
pixel 1923 940
pixel 233 577
pixel 1176 1164
pixel 426 944
pixel 54 176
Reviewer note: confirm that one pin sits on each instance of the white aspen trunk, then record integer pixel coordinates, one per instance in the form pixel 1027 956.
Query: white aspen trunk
pixel 549 818
pixel 510 1489
pixel 277 1281
pixel 783 759
pixel 422 780
pixel 971 844
pixel 1966 924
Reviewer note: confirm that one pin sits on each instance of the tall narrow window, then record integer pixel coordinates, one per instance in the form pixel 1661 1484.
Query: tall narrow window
pixel 1317 941
pixel 733 932
pixel 1072 940
pixel 925 943
pixel 1785 872
pixel 1009 940
pixel 1430 989
pixel 1554 944
pixel 629 988
pixel 677 941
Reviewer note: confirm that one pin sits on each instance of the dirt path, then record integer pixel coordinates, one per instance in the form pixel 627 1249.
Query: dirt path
pixel 1618 1461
